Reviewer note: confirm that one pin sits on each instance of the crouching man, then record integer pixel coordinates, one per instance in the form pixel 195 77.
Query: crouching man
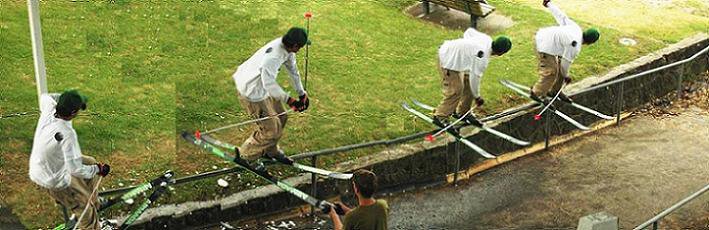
pixel 371 213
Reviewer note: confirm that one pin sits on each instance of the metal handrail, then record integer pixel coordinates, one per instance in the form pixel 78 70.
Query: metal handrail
pixel 679 204
pixel 606 84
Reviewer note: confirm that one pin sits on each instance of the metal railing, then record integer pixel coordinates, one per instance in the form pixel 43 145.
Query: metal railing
pixel 620 82
pixel 655 220
pixel 315 154
pixel 646 72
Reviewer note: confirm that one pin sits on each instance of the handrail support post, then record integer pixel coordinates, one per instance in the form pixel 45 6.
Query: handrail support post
pixel 619 103
pixel 679 81
pixel 313 183
pixel 546 120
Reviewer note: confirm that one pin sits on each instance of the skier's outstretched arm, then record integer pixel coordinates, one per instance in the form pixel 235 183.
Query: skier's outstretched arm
pixel 295 81
pixel 559 15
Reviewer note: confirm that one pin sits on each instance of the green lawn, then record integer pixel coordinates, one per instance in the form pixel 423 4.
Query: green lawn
pixel 153 70
pixel 114 54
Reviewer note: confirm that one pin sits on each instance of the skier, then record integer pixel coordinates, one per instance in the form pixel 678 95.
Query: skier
pixel 261 96
pixel 56 162
pixel 557 47
pixel 461 64
pixel 371 213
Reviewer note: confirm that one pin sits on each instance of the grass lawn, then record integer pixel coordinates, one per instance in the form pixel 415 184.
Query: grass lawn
pixel 154 69
pixel 115 54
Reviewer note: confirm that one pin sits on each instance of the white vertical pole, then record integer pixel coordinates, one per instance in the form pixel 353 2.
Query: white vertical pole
pixel 40 71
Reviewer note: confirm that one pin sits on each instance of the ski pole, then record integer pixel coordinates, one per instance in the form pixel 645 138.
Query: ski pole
pixel 88 202
pixel 307 15
pixel 198 134
pixel 538 116
pixel 431 137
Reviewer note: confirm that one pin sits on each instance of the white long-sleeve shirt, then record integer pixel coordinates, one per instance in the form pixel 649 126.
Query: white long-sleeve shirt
pixel 468 54
pixel 564 40
pixel 256 78
pixel 56 154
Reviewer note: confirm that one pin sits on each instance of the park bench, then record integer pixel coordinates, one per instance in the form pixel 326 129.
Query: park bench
pixel 475 8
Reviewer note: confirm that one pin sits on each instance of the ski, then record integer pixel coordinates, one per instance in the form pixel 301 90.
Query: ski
pixel 69 225
pixel 166 177
pixel 321 204
pixel 574 104
pixel 483 127
pixel 162 187
pixel 450 132
pixel 327 173
pixel 557 112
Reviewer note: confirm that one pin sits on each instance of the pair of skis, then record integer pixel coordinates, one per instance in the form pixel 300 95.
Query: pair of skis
pixel 161 189
pixel 524 91
pixel 483 127
pixel 321 204
pixel 518 88
pixel 127 197
pixel 306 168
pixel 455 134
pixel 160 183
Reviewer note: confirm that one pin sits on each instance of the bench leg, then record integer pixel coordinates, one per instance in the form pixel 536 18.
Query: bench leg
pixel 474 21
pixel 473 18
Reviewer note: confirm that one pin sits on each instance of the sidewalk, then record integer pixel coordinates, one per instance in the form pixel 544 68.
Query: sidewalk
pixel 634 172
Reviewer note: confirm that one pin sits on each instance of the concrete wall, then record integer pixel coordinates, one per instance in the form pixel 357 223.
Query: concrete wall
pixel 413 165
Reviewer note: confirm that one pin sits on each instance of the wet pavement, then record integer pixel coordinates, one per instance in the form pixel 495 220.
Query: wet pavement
pixel 633 171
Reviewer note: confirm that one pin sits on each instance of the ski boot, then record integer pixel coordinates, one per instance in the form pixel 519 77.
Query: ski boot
pixel 279 156
pixel 108 224
pixel 562 97
pixel 103 203
pixel 469 119
pixel 534 96
pixel 544 100
pixel 441 121
pixel 565 98
pixel 256 165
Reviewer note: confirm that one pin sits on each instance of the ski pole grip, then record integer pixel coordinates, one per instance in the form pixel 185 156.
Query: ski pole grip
pixel 339 210
pixel 325 206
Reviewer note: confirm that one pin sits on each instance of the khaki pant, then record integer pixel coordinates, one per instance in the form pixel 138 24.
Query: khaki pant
pixel 265 138
pixel 457 95
pixel 466 99
pixel 75 197
pixel 550 77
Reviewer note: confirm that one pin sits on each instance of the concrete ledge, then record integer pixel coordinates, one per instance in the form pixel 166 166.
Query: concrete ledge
pixel 412 165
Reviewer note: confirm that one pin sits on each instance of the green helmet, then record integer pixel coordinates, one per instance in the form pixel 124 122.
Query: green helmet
pixel 296 36
pixel 71 101
pixel 591 35
pixel 501 45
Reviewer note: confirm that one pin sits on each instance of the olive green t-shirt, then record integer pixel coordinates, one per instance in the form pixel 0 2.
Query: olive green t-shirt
pixel 372 217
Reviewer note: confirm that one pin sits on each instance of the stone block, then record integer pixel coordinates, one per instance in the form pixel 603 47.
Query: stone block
pixel 598 221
